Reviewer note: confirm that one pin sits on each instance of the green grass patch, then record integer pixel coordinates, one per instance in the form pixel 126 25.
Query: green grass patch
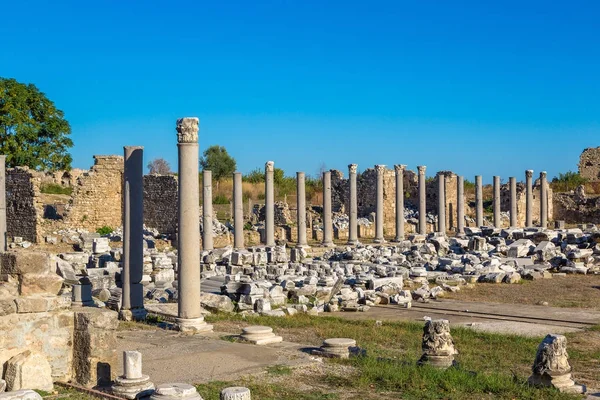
pixel 279 370
pixel 271 391
pixel 53 188
pixel 221 199
pixel 105 230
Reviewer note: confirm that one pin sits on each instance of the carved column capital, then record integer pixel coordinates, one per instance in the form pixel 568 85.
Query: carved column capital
pixel 399 168
pixel 269 166
pixel 421 169
pixel 543 175
pixel 380 168
pixel 352 168
pixel 529 173
pixel 187 130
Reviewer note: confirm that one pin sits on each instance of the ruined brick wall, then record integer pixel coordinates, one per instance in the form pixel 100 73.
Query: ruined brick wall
pixel 589 164
pixel 96 199
pixel 575 210
pixel 24 210
pixel 160 202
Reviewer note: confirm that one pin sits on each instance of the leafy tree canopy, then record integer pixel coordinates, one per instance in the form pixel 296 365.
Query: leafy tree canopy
pixel 33 132
pixel 217 160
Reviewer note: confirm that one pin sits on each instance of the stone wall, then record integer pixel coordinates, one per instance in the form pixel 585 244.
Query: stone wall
pixel 96 199
pixel 522 202
pixel 576 210
pixel 24 210
pixel 589 164
pixel 160 202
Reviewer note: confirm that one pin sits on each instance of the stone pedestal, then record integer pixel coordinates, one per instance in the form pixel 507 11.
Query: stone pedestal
pixel 551 366
pixel 133 239
pixel 132 384
pixel 235 393
pixel 379 238
pixel 238 212
pixel 269 204
pixel 478 201
pixel 189 315
pixel 399 170
pixel 82 294
pixel 175 391
pixel 441 178
pixel 513 201
pixel 543 200
pixel 336 348
pixel 353 215
pixel 2 203
pixel 422 201
pixel 460 208
pixel 260 335
pixel 207 211
pixel 327 213
pixel 21 395
pixel 301 213
pixel 497 217
pixel 438 346
pixel 528 199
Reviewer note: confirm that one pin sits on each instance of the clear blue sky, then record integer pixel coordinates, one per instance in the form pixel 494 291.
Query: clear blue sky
pixel 476 87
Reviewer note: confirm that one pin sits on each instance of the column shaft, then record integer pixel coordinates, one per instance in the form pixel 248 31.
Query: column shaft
pixel 353 228
pixel 327 214
pixel 441 203
pixel 543 200
pixel 460 212
pixel 207 211
pixel 513 201
pixel 528 199
pixel 3 203
pixel 380 169
pixel 478 201
pixel 399 169
pixel 422 201
pixel 269 204
pixel 301 214
pixel 238 211
pixel 497 217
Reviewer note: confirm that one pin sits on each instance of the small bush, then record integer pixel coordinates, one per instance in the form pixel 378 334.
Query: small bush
pixel 53 188
pixel 105 230
pixel 220 199
pixel 567 181
pixel 261 196
pixel 255 176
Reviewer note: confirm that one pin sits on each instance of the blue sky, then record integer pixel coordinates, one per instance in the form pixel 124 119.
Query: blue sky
pixel 476 87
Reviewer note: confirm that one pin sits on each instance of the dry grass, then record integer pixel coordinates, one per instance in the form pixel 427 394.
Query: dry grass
pixel 582 291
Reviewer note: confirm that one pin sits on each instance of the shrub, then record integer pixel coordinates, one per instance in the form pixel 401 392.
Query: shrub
pixel 220 199
pixel 105 230
pixel 567 181
pixel 53 188
pixel 255 176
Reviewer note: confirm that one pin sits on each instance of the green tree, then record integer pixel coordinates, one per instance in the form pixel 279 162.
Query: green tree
pixel 33 132
pixel 567 181
pixel 217 160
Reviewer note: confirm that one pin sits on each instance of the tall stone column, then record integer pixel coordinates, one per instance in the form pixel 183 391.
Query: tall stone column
pixel 207 211
pixel 238 211
pixel 2 203
pixel 353 228
pixel 327 214
pixel 497 217
pixel 189 315
pixel 478 201
pixel 379 206
pixel 513 201
pixel 543 200
pixel 269 204
pixel 301 214
pixel 441 203
pixel 133 235
pixel 399 169
pixel 528 199
pixel 460 204
pixel 422 200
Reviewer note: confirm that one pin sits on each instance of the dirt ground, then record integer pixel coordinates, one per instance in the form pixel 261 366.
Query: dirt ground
pixel 581 291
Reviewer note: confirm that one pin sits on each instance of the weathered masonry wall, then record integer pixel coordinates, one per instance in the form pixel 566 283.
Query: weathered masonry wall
pixel 23 208
pixel 160 202
pixel 589 164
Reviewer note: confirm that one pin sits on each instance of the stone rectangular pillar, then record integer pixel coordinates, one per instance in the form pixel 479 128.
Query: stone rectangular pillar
pixel 238 211
pixel 133 234
pixel 528 199
pixel 327 214
pixel 513 201
pixel 2 203
pixel 353 228
pixel 301 213
pixel 441 178
pixel 543 200
pixel 422 200
pixel 460 201
pixel 207 211
pixel 399 169
pixel 380 169
pixel 269 204
pixel 478 201
pixel 497 215
pixel 189 314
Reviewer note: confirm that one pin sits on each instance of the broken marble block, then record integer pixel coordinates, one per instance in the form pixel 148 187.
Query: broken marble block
pixel 175 391
pixel 336 348
pixel 551 366
pixel 259 335
pixel 438 345
pixel 132 384
pixel 28 370
pixel 20 395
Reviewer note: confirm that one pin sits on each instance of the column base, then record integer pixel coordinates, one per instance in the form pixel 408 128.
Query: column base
pixel 135 314
pixel 192 325
pixel 328 244
pixel 133 388
pixel 302 246
pixel 397 240
pixel 379 240
pixel 353 242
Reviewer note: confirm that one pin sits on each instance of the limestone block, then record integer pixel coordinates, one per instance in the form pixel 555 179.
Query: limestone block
pixel 33 304
pixel 23 262
pixel 20 395
pixel 28 370
pixel 49 283
pixel 7 306
pixel 175 391
pixel 215 302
